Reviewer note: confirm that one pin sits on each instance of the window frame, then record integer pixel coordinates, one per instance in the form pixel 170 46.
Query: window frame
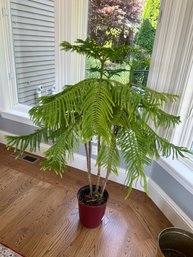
pixel 171 71
pixel 70 13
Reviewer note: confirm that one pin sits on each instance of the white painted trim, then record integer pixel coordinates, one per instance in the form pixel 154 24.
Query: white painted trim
pixel 79 162
pixel 19 114
pixel 178 170
pixel 8 97
pixel 169 208
pixel 70 23
pixel 172 64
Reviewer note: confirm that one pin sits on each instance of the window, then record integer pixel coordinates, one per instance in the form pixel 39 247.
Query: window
pixel 29 52
pixel 34 48
pixel 172 71
pixel 132 23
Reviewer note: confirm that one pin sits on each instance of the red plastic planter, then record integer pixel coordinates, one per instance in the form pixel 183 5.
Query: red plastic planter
pixel 91 216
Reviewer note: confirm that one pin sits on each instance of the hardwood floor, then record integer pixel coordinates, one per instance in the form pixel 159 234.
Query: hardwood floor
pixel 39 216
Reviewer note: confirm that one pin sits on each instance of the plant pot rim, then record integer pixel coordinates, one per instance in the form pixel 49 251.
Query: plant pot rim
pixel 92 206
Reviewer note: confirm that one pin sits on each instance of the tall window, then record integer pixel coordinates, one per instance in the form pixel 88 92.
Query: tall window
pixel 34 48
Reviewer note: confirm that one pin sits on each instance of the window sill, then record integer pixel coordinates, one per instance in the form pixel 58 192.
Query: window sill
pixel 19 114
pixel 179 170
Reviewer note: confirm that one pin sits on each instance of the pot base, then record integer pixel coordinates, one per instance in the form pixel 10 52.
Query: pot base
pixel 91 216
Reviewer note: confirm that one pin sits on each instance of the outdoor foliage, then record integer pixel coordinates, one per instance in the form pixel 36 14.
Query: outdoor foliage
pixel 117 23
pixel 151 12
pixel 113 21
pixel 146 36
pixel 118 114
pixel 147 30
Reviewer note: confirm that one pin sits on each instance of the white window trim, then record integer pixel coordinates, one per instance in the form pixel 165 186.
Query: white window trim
pixel 172 60
pixel 178 170
pixel 18 113
pixel 172 71
pixel 71 13
pixel 74 14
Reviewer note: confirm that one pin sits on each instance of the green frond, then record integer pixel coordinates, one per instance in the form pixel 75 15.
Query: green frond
pixel 159 117
pixel 97 111
pixel 152 97
pixel 109 156
pixel 168 149
pixel 46 99
pixel 126 99
pixel 62 109
pixel 90 48
pixel 134 154
pixel 156 145
pixel 56 155
pixel 31 141
pixel 85 47
pixel 120 118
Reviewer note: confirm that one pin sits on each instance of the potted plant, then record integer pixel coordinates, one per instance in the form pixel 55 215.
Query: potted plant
pixel 118 114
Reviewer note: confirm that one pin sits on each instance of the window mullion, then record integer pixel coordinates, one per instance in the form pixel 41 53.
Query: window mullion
pixel 7 74
pixel 71 23
pixel 171 68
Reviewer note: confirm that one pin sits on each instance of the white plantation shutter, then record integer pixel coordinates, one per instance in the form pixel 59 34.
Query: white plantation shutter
pixel 34 47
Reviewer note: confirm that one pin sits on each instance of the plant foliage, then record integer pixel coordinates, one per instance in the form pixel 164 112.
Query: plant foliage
pixel 120 115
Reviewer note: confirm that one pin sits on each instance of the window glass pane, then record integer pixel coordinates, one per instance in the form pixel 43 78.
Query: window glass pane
pixel 34 48
pixel 118 22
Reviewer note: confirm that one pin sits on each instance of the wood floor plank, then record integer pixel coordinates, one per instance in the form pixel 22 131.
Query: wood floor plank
pixel 39 216
pixel 16 188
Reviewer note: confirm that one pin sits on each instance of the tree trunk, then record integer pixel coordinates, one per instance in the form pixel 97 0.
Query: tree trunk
pixel 88 150
pixel 99 167
pixel 111 150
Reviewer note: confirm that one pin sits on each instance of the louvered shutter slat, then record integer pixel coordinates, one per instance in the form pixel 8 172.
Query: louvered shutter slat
pixel 34 64
pixel 33 59
pixel 34 46
pixel 27 32
pixel 23 26
pixel 32 86
pixel 34 68
pixel 36 3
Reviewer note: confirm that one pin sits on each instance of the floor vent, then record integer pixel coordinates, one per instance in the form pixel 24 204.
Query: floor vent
pixel 26 157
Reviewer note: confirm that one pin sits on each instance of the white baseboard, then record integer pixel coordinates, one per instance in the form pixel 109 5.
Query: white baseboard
pixel 79 162
pixel 169 208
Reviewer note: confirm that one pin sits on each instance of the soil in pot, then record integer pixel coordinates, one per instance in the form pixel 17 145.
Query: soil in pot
pixel 91 210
